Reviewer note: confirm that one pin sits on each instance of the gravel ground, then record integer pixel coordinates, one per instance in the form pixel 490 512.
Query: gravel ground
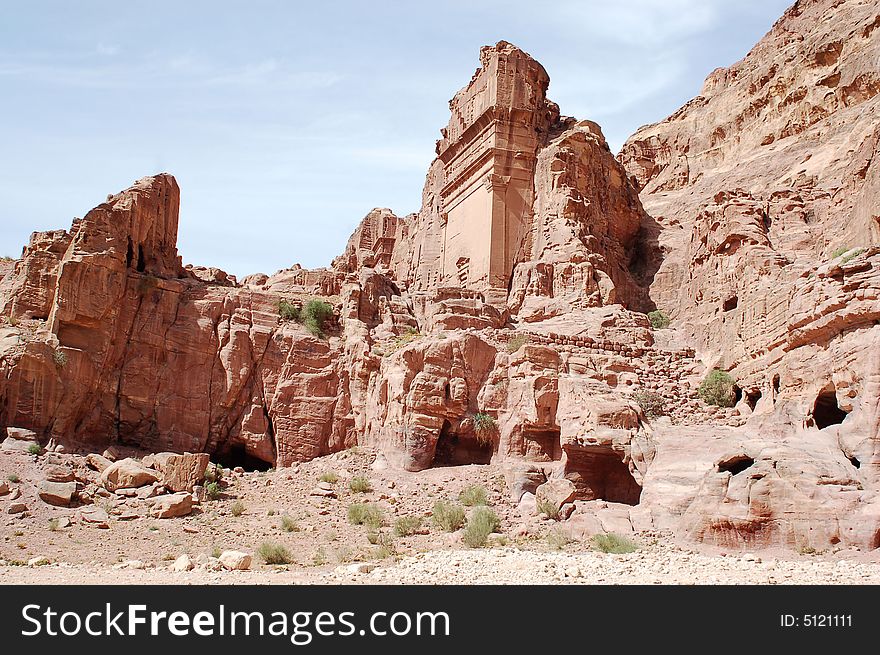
pixel 654 564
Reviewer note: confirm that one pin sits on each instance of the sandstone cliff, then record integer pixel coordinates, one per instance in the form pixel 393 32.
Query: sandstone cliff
pixel 504 321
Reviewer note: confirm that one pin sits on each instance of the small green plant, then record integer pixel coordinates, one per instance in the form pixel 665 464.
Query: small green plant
pixel 659 319
pixel 373 536
pixel 516 342
pixel 289 524
pixel 320 557
pixel 558 539
pixel 34 449
pixel 216 552
pixel 274 553
pixel 837 253
pixel 407 525
pixel 13 320
pixel 13 477
pixel 288 312
pixel 360 484
pixel 237 508
pixel 651 403
pixel 213 491
pixel 548 507
pixel 447 516
pixel 365 514
pixel 613 543
pixel 718 389
pixel 481 523
pixel 485 428
pixel 271 512
pixel 214 473
pixel 473 495
pixel 60 358
pixel 409 335
pixel 315 314
pixel 330 477
pixel 852 254
pixel 53 525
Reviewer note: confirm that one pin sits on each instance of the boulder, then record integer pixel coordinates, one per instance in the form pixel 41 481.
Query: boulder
pixel 558 492
pixel 127 473
pixel 19 440
pixel 180 472
pixel 172 506
pixel 235 560
pixel 16 508
pixel 183 563
pixel 97 462
pixel 60 494
pixel 96 517
pixel 4 488
pixel 59 474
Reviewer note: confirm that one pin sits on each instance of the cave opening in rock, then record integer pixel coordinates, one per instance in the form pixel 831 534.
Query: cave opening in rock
pixel 236 455
pixel 601 474
pixel 737 394
pixel 731 303
pixel 736 464
pixel 752 398
pixel 855 461
pixel 776 383
pixel 454 449
pixel 826 410
pixel 541 445
pixel 129 255
pixel 141 262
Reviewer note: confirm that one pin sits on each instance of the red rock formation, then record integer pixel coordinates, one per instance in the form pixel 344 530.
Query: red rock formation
pixel 500 322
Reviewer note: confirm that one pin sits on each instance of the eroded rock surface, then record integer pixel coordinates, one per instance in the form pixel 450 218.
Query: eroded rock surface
pixel 504 322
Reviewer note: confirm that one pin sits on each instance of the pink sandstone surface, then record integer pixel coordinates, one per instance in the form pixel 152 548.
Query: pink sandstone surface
pixel 505 321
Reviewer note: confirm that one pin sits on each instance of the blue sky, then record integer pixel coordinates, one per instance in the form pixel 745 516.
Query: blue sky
pixel 286 122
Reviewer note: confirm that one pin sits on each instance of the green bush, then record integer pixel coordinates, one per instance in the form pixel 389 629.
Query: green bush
pixel 718 389
pixel 659 319
pixel 549 508
pixel 237 508
pixel 359 484
pixel 329 476
pixel 613 543
pixel 214 473
pixel 272 553
pixel 480 525
pixel 34 449
pixel 407 525
pixel 651 403
pixel 485 428
pixel 314 314
pixel 289 524
pixel 13 477
pixel 837 253
pixel 447 516
pixel 289 312
pixel 54 523
pixel 473 495
pixel 516 342
pixel 213 490
pixel 852 254
pixel 365 514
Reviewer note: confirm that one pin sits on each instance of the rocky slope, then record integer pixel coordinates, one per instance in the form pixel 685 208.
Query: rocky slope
pixel 504 322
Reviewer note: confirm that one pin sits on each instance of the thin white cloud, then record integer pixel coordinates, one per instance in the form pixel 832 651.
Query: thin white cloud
pixel 107 50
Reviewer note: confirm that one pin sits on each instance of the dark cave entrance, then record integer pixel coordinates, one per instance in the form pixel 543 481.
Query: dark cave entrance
pixel 234 455
pixel 602 475
pixel 736 464
pixel 826 411
pixel 752 398
pixel 455 449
